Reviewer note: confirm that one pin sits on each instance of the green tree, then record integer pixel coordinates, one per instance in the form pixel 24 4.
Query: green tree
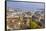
pixel 33 24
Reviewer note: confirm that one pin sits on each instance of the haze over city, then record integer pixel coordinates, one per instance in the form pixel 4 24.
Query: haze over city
pixel 25 5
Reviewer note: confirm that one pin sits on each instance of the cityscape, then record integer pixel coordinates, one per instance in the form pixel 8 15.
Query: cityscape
pixel 23 18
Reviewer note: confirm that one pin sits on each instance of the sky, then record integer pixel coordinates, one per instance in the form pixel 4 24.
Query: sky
pixel 25 5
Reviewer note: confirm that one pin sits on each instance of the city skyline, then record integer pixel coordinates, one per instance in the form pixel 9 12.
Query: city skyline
pixel 27 6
